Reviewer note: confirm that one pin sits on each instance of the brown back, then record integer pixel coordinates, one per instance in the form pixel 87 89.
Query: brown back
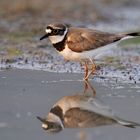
pixel 82 39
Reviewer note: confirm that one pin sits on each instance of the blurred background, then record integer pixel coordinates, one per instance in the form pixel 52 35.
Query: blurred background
pixel 22 22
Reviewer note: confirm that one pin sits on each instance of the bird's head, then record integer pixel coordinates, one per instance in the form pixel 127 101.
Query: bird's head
pixel 50 126
pixel 55 32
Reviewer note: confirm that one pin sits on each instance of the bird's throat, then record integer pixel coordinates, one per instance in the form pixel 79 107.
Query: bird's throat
pixel 60 46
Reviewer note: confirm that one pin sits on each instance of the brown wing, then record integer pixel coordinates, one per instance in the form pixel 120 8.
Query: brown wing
pixel 77 118
pixel 81 39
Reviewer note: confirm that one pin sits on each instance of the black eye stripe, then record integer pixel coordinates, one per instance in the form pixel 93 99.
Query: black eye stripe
pixel 61 32
pixel 57 32
pixel 49 27
pixel 58 29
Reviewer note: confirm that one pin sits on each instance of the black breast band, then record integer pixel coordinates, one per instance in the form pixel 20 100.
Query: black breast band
pixel 60 46
pixel 58 112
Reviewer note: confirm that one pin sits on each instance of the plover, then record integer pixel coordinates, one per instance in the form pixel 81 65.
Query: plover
pixel 79 111
pixel 82 44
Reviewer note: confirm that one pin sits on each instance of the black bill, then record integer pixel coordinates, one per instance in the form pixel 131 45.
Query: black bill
pixel 43 37
pixel 41 119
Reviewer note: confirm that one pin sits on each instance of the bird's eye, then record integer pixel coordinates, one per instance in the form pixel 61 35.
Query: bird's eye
pixel 55 31
pixel 51 126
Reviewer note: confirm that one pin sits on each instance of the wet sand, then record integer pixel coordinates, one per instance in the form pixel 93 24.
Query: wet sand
pixel 24 94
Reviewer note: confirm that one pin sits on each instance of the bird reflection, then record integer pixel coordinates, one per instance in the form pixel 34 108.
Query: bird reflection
pixel 81 111
pixel 88 86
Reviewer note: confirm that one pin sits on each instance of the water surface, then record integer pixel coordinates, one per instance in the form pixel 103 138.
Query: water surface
pixel 24 94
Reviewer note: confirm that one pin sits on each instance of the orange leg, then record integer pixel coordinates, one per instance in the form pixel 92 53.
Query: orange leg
pixel 93 70
pixel 85 86
pixel 93 67
pixel 86 71
pixel 90 87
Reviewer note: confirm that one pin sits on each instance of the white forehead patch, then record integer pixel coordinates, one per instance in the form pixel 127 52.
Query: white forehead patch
pixel 44 126
pixel 48 30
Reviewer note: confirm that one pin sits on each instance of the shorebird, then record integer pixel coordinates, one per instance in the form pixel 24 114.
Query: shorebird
pixel 82 44
pixel 79 111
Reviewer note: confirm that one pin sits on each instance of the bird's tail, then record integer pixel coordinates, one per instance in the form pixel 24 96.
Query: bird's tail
pixel 124 36
pixel 127 123
pixel 133 34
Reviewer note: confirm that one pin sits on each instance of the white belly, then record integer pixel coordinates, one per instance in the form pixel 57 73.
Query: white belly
pixel 68 54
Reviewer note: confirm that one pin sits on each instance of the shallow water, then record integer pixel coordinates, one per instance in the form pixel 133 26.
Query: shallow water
pixel 24 94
